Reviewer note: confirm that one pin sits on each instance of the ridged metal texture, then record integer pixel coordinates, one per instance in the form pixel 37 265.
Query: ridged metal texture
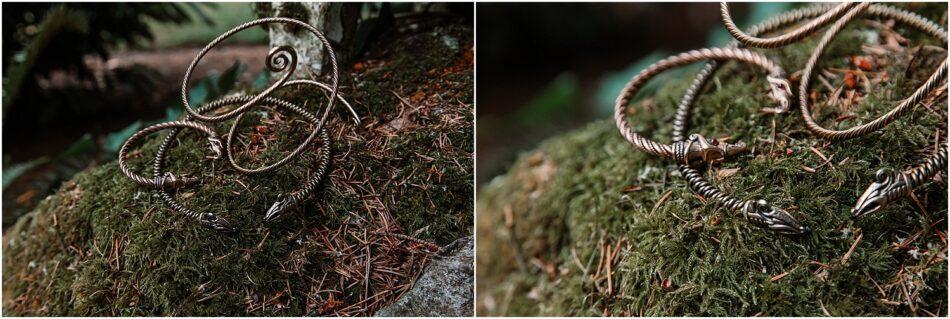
pixel 167 179
pixel 160 156
pixel 695 178
pixel 279 59
pixel 936 80
pixel 637 82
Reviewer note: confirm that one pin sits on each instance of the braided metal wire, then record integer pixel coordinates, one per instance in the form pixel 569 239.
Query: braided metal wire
pixel 694 177
pixel 679 152
pixel 158 164
pixel 684 109
pixel 889 186
pixel 279 59
pixel 637 82
pixel 697 182
pixel 701 186
pixel 157 169
pixel 750 40
pixel 935 80
pixel 932 165
pixel 322 164
pixel 787 18
pixel 299 148
pixel 167 180
pixel 282 58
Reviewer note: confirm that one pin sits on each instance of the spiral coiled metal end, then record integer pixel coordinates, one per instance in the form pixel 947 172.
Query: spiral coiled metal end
pixel 760 213
pixel 281 58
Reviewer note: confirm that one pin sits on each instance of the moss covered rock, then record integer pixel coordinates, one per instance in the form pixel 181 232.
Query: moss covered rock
pixel 101 246
pixel 445 289
pixel 585 224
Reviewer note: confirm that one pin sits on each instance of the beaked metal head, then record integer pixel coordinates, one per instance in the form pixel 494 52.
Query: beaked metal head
pixel 760 213
pixel 281 205
pixel 215 145
pixel 701 151
pixel 216 222
pixel 170 181
pixel 878 194
pixel 781 92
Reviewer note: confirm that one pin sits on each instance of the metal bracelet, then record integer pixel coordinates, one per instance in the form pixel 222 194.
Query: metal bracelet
pixel 282 203
pixel 935 80
pixel 166 180
pixel 694 177
pixel 699 148
pixel 889 186
pixel 279 59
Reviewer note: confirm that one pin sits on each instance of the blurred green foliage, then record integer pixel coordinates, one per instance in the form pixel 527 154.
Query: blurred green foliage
pixel 13 171
pixel 613 82
pixel 95 28
pixel 556 101
pixel 50 172
pixel 43 37
pixel 220 18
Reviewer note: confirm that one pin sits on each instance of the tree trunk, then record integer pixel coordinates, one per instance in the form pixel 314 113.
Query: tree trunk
pixel 159 262
pixel 337 21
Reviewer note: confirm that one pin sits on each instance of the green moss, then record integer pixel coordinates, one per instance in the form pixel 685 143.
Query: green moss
pixel 101 246
pixel 546 225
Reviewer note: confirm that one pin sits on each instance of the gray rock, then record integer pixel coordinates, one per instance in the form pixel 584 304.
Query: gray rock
pixel 445 288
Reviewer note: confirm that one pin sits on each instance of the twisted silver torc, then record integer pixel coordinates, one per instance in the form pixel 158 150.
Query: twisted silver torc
pixel 890 186
pixel 282 203
pixel 757 211
pixel 935 80
pixel 279 59
pixel 698 150
pixel 751 40
pixel 166 180
pixel 285 201
pixel 282 58
pixel 310 117
pixel 844 14
pixel 695 178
